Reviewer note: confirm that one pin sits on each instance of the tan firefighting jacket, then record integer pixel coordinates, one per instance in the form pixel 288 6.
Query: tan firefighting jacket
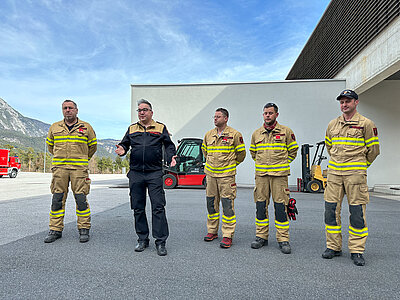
pixel 274 151
pixel 71 148
pixel 223 153
pixel 352 145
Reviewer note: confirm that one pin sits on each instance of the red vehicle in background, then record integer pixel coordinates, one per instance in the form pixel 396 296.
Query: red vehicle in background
pixel 189 169
pixel 9 165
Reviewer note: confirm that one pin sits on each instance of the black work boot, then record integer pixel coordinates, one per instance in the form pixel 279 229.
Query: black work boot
pixel 285 247
pixel 83 235
pixel 358 259
pixel 141 245
pixel 329 253
pixel 161 250
pixel 52 236
pixel 258 243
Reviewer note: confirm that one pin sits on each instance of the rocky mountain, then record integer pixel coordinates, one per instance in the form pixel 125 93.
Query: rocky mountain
pixel 23 132
pixel 12 120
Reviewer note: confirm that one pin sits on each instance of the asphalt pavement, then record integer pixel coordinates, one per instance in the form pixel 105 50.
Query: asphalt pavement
pixel 107 267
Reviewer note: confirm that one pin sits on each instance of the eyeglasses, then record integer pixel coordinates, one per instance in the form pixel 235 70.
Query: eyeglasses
pixel 143 110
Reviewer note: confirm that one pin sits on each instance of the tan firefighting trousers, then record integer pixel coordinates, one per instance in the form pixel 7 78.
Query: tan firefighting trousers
pixel 80 185
pixel 221 189
pixel 277 186
pixel 356 189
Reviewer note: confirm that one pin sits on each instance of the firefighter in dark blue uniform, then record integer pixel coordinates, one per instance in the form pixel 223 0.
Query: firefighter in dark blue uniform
pixel 146 139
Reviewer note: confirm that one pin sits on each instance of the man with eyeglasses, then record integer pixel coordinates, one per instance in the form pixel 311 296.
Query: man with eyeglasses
pixel 224 149
pixel 273 147
pixel 352 144
pixel 146 140
pixel 73 143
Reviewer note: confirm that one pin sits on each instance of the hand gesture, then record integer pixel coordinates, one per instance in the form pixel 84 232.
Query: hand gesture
pixel 120 150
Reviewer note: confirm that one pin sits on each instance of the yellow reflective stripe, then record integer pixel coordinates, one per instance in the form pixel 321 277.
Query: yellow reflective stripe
pixel 273 168
pixel 92 142
pixel 223 149
pixel 83 213
pixel 368 163
pixel 269 146
pixel 75 161
pixel 213 216
pixel 348 141
pixel 283 225
pixel 264 222
pixel 358 232
pixel 240 148
pixel 347 166
pixel 252 147
pixel 292 146
pixel 333 229
pixel 50 141
pixel 372 141
pixel 226 219
pixel 290 158
pixel 70 138
pixel 226 169
pixel 328 141
pixel 57 213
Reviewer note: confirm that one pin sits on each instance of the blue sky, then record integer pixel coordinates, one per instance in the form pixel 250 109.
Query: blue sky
pixel 91 51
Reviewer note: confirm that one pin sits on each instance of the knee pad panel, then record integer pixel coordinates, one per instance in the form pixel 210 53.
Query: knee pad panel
pixel 210 205
pixel 280 213
pixel 356 216
pixel 261 210
pixel 227 207
pixel 81 203
pixel 330 213
pixel 56 201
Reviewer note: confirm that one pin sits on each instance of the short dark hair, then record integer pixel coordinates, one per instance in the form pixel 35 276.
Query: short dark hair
pixel 270 104
pixel 141 101
pixel 223 111
pixel 68 100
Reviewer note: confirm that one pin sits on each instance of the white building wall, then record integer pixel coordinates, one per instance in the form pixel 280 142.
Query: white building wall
pixel 381 104
pixel 187 110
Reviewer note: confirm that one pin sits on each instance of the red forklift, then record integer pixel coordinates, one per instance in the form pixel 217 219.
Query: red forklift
pixel 189 168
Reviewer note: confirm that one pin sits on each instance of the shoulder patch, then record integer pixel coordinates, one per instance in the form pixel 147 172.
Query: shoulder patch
pixel 293 137
pixel 375 131
pixel 135 128
pixel 241 140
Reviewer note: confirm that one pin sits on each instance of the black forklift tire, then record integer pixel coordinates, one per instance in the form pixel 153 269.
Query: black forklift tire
pixel 169 181
pixel 314 186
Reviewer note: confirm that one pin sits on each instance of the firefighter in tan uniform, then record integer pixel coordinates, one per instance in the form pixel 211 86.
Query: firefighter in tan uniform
pixel 72 142
pixel 352 143
pixel 224 149
pixel 273 147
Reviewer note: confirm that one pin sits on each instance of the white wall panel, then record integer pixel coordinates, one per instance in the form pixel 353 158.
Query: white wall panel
pixel 187 110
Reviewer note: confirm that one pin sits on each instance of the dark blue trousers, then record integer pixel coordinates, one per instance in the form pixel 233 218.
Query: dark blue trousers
pixel 139 182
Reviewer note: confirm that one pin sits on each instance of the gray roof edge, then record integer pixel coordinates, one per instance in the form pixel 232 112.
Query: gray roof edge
pixel 234 83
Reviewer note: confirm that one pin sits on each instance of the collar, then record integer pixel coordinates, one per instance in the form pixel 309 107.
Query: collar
pixel 275 127
pixel 152 124
pixel 354 120
pixel 272 127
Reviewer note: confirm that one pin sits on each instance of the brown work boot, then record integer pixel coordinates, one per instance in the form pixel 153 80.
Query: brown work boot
pixel 210 236
pixel 226 242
